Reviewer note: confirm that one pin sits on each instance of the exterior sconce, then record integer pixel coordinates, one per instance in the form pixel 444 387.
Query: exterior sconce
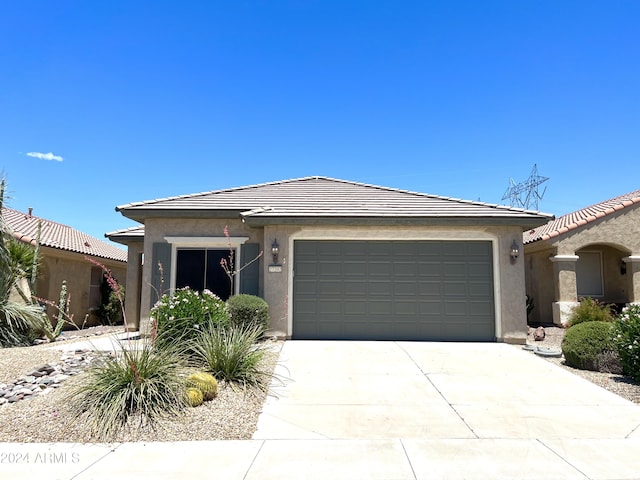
pixel 623 267
pixel 275 249
pixel 515 251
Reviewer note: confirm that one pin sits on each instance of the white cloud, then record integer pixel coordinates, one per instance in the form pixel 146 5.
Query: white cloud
pixel 45 156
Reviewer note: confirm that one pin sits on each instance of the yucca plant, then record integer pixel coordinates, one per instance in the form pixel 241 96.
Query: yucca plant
pixel 233 354
pixel 137 387
pixel 18 320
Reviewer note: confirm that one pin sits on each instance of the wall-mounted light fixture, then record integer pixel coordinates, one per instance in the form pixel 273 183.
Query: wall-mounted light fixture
pixel 623 267
pixel 515 251
pixel 275 249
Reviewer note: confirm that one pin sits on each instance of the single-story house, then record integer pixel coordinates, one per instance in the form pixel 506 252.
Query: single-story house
pixel 64 251
pixel 593 252
pixel 342 260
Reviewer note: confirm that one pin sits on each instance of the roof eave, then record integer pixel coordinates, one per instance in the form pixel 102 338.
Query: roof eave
pixel 526 223
pixel 141 214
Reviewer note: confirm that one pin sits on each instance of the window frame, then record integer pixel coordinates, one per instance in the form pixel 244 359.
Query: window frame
pixel 213 243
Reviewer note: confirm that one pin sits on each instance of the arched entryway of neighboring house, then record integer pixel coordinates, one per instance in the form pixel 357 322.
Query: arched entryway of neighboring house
pixel 602 273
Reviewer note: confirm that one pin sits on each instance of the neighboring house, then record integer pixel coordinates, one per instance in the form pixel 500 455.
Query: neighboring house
pixel 593 252
pixel 63 250
pixel 353 261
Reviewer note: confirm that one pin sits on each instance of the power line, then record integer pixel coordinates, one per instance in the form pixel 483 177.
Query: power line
pixel 526 194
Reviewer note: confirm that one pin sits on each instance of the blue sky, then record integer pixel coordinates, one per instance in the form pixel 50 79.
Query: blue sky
pixel 147 99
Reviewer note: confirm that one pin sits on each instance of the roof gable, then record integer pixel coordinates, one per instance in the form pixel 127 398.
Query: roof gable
pixel 579 218
pixel 24 227
pixel 317 197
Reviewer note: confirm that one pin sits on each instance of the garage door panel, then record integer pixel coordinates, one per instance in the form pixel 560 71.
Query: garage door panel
pixel 479 290
pixel 454 289
pixel 307 288
pixel 306 268
pixel 392 290
pixel 405 269
pixel 352 307
pixel 351 288
pixel 383 310
pixel 328 288
pixel 380 287
pixel 455 269
pixel 355 268
pixel 379 268
pixel 433 288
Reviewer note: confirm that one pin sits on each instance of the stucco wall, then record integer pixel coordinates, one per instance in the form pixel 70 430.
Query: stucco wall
pixel 540 284
pixel 276 287
pixel 621 229
pixel 156 229
pixel 76 270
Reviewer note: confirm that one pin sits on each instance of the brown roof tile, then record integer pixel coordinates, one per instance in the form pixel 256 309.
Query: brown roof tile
pixel 55 235
pixel 573 220
pixel 328 198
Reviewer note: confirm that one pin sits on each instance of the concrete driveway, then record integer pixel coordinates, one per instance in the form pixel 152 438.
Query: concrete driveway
pixel 493 406
pixel 389 411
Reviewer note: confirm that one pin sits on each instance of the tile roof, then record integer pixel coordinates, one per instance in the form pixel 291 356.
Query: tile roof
pixel 126 234
pixel 24 227
pixel 571 221
pixel 326 197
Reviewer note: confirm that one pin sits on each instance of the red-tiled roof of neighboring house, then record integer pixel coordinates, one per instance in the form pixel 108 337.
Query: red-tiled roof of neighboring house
pixel 581 217
pixel 24 227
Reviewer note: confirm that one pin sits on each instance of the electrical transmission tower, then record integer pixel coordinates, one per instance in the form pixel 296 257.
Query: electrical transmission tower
pixel 526 194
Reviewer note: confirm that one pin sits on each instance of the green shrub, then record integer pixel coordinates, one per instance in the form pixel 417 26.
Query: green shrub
pixel 626 338
pixel 204 382
pixel 590 310
pixel 194 396
pixel 110 310
pixel 585 344
pixel 186 314
pixel 137 387
pixel 233 354
pixel 248 310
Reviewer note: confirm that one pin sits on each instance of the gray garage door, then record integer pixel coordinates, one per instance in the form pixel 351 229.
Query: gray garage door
pixel 393 290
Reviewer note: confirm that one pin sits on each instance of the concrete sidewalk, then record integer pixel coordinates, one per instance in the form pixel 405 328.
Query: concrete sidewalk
pixel 384 459
pixel 389 410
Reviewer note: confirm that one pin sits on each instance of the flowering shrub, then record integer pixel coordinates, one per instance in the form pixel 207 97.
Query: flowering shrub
pixel 626 338
pixel 186 314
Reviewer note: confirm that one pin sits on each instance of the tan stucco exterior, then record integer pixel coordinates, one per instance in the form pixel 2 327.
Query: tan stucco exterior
pixel 551 265
pixel 277 287
pixel 60 265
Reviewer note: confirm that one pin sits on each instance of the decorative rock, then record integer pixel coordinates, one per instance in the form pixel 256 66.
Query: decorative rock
pixel 61 377
pixel 539 334
pixel 44 380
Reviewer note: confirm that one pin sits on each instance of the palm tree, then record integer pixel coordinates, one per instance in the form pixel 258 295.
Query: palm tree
pixel 18 320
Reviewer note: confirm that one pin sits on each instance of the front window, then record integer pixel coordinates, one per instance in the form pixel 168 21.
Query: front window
pixel 199 269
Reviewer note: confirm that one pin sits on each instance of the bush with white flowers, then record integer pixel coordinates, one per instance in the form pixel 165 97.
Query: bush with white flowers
pixel 185 314
pixel 626 338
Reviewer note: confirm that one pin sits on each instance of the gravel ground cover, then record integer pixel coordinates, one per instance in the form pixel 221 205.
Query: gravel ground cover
pixel 232 415
pixel 619 384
